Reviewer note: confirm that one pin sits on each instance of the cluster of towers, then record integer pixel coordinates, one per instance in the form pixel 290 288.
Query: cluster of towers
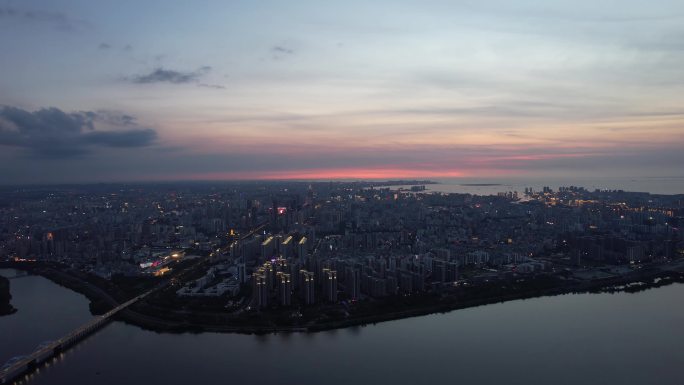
pixel 276 280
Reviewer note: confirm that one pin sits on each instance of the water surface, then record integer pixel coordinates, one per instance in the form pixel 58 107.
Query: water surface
pixel 492 186
pixel 571 339
pixel 46 311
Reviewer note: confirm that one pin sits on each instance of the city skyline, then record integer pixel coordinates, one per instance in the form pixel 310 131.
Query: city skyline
pixel 158 91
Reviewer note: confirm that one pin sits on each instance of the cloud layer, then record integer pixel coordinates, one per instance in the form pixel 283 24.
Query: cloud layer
pixel 53 133
pixel 59 20
pixel 304 89
pixel 161 75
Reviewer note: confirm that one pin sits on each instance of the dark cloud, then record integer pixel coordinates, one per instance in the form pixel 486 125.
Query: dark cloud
pixel 114 118
pixel 57 19
pixel 282 50
pixel 161 75
pixel 128 138
pixel 53 133
pixel 279 52
pixel 104 46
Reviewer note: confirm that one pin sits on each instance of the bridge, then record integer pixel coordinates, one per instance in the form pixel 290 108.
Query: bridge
pixel 46 351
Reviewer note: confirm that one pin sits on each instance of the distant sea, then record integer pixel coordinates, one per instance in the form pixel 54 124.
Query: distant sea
pixel 492 186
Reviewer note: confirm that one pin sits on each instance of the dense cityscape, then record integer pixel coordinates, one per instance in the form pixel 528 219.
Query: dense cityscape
pixel 262 257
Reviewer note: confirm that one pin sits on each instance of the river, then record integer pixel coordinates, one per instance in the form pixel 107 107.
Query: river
pixel 570 339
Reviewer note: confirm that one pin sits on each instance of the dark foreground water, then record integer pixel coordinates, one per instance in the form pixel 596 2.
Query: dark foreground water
pixel 570 339
pixel 46 311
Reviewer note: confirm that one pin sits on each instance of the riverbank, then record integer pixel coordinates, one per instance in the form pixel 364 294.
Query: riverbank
pixel 151 316
pixel 449 304
pixel 431 305
pixel 5 297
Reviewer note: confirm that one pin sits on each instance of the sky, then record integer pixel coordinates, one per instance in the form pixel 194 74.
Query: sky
pixel 107 91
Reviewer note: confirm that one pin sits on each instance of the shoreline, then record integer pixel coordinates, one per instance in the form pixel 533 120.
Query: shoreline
pixel 139 314
pixel 6 307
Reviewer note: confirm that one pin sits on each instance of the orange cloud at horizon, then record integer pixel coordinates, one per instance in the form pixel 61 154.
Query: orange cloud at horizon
pixel 334 173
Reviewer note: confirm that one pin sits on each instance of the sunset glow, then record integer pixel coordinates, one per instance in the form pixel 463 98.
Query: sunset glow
pixel 385 90
pixel 326 174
